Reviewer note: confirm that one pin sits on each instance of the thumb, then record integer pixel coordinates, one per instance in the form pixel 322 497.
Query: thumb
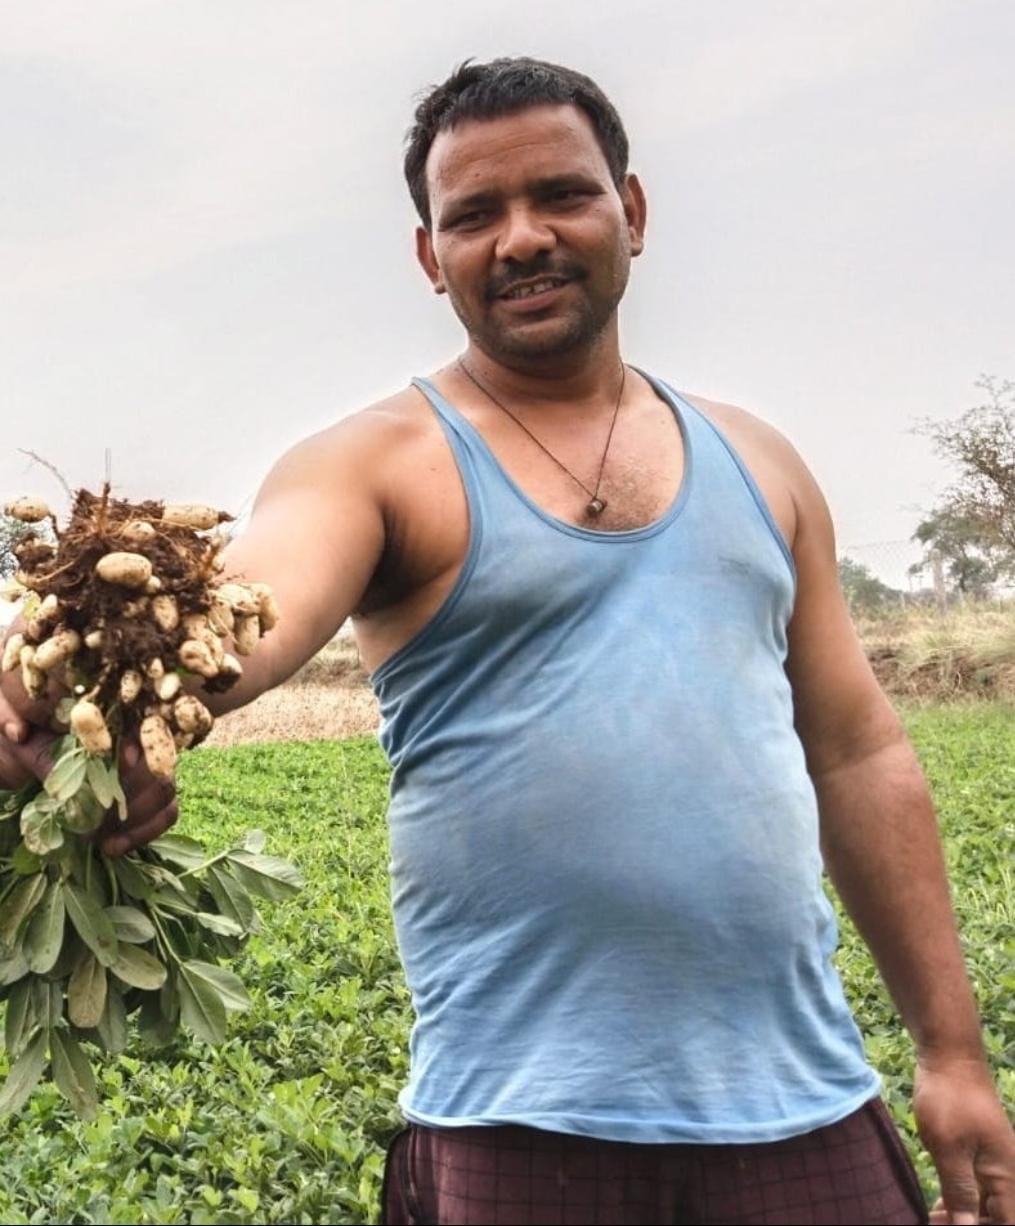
pixel 959 1189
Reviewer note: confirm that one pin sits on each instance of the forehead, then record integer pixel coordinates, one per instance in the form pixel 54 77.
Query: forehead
pixel 489 153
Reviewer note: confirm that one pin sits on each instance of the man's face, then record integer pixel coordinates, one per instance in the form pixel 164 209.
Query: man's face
pixel 527 201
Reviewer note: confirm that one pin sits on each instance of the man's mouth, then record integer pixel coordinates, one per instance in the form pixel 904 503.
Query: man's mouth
pixel 526 289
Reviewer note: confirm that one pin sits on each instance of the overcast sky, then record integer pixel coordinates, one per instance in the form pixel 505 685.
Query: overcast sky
pixel 206 243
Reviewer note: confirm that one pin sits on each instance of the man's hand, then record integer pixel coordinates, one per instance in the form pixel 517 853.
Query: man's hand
pixel 25 753
pixel 965 1130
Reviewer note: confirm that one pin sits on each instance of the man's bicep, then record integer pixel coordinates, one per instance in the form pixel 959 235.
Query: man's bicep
pixel 316 535
pixel 841 712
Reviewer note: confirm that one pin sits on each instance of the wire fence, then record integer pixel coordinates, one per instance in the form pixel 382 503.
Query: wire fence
pixel 913 572
pixel 890 561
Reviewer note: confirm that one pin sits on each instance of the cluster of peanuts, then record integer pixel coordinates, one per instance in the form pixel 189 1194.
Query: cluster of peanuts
pixel 49 649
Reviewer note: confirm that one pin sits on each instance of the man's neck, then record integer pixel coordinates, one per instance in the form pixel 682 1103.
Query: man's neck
pixel 580 381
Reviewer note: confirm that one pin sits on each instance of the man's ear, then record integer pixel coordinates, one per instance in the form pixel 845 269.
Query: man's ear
pixel 428 260
pixel 632 194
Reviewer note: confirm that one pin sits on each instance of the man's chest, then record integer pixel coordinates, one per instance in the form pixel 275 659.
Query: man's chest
pixel 642 475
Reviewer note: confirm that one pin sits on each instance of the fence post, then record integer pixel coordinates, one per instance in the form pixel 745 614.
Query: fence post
pixel 939 581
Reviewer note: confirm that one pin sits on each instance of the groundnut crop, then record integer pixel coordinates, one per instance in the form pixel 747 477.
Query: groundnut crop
pixel 125 620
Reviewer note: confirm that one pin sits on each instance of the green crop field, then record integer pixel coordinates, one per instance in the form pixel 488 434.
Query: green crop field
pixel 287 1121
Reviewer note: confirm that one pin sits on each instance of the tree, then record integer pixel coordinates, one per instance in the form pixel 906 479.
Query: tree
pixel 967 543
pixel 864 591
pixel 981 444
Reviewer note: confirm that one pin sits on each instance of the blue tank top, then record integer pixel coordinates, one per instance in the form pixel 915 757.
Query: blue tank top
pixel 605 870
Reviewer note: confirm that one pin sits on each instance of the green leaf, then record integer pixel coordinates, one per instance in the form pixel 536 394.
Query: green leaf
pixel 101 777
pixel 17 907
pixel 73 1074
pixel 67 776
pixel 41 825
pixel 10 804
pixel 12 968
pixel 153 1026
pixel 139 968
pixel 230 897
pixel 24 1076
pixel 133 880
pixel 44 935
pixel 201 1008
pixel 267 876
pixel 178 849
pixel 131 925
pixel 21 1021
pixel 25 862
pixel 221 924
pixel 47 1001
pixel 93 925
pixel 229 986
pixel 86 992
pixel 82 813
pixel 177 904
pixel 112 1027
pixel 67 959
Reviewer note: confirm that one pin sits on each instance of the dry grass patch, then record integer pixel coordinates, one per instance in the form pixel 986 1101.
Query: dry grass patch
pixel 329 699
pixel 968 651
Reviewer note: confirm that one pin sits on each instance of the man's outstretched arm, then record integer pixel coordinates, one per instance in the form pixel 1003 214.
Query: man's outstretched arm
pixel 882 850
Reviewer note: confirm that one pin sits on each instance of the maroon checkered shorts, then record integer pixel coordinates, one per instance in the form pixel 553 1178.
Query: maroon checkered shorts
pixel 853 1172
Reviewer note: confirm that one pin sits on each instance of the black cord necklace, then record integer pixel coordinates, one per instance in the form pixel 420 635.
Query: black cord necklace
pixel 596 505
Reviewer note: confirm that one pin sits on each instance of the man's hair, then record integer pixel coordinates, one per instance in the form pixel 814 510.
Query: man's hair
pixel 503 87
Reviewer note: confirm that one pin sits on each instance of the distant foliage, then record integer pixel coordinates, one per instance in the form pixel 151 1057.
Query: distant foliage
pixel 11 531
pixel 864 591
pixel 973 527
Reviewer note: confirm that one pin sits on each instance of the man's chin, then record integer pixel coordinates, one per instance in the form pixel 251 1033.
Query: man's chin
pixel 543 339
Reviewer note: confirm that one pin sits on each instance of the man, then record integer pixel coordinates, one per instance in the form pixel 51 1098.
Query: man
pixel 624 702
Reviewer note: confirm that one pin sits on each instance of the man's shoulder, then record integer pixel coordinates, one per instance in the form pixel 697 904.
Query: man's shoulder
pixel 370 438
pixel 771 458
pixel 739 425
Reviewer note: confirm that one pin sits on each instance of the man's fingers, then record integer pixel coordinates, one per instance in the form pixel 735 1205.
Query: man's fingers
pixel 129 837
pixel 960 1190
pixel 14 726
pixel 13 773
pixel 34 753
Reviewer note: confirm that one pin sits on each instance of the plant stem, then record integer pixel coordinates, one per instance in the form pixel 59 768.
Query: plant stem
pixel 164 943
pixel 207 864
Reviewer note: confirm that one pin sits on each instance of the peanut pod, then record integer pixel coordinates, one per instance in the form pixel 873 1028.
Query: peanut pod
pixel 28 510
pixel 157 743
pixel 165 613
pixel 12 652
pixel 240 599
pixel 268 610
pixel 131 683
pixel 196 657
pixel 57 650
pixel 247 634
pixel 131 570
pixel 89 725
pixel 187 515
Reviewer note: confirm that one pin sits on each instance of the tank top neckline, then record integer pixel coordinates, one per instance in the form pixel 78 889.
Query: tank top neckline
pixel 662 390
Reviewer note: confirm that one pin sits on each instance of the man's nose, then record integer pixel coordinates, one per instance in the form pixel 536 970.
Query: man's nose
pixel 523 234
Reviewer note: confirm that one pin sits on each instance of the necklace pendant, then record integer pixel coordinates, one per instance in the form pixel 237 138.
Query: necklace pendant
pixel 595 508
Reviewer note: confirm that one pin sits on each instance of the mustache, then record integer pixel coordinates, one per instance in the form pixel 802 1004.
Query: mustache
pixel 532 272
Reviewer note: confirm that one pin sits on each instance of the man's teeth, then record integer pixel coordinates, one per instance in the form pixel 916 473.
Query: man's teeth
pixel 525 290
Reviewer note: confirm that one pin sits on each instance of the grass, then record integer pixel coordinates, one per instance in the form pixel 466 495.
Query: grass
pixel 287 1122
